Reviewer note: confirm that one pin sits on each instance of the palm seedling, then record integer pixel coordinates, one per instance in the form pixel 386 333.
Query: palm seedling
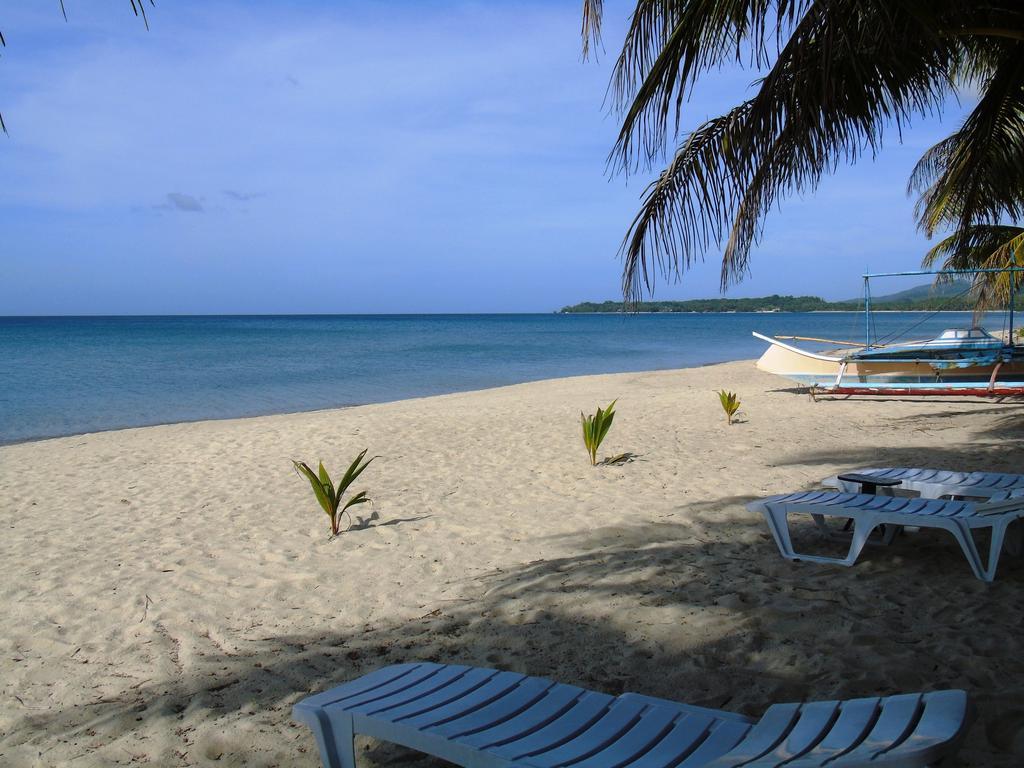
pixel 595 427
pixel 730 404
pixel 328 495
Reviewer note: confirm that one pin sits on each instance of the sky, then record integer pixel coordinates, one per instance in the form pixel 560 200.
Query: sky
pixel 363 157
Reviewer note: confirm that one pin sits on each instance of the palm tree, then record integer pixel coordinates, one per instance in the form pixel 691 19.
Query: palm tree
pixel 836 77
pixel 138 8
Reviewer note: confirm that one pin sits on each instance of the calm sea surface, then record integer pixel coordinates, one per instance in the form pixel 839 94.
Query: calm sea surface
pixel 67 375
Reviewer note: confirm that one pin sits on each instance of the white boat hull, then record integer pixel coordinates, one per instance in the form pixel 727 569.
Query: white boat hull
pixel 832 372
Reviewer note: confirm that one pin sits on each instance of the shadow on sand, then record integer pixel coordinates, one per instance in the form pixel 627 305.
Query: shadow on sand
pixel 703 611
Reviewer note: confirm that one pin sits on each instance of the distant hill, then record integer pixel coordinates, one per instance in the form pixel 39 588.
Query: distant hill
pixel 927 291
pixel 923 298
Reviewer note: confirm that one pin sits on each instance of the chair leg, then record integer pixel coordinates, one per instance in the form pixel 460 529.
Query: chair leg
pixel 779 527
pixel 861 532
pixel 1014 542
pixel 963 536
pixel 889 533
pixel 822 526
pixel 778 524
pixel 995 547
pixel 334 738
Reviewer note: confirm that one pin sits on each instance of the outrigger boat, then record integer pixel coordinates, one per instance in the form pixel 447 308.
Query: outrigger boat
pixel 960 361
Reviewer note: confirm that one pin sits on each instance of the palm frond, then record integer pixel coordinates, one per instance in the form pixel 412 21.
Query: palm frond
pixel 138 7
pixel 668 46
pixel 838 83
pixel 983 246
pixel 839 76
pixel 684 209
pixel 590 32
pixel 976 175
pixel 3 127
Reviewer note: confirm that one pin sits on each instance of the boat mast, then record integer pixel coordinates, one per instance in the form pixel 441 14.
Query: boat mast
pixel 1013 286
pixel 867 308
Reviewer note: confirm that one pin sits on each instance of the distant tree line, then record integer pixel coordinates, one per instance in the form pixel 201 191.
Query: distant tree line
pixel 774 304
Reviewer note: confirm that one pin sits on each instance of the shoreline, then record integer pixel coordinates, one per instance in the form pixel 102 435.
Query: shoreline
pixel 42 438
pixel 124 374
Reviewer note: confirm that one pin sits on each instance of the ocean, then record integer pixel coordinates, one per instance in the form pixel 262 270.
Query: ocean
pixel 68 375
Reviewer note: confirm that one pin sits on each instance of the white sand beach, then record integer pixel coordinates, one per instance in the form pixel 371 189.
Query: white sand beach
pixel 169 592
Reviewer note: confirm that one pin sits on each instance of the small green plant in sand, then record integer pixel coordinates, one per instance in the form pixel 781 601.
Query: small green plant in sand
pixel 595 427
pixel 730 404
pixel 330 495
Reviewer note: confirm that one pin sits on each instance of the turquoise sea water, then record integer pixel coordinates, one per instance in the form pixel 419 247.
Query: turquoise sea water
pixel 66 375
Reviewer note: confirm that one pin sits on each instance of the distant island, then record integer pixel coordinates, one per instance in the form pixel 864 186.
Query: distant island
pixel 923 298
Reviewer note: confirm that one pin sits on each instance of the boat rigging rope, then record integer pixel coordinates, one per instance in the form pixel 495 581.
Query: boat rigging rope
pixel 886 339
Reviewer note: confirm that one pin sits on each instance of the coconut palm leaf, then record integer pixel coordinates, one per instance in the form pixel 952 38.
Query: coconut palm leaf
pixel 976 175
pixel 982 246
pixel 354 470
pixel 591 28
pixel 138 8
pixel 318 487
pixel 359 498
pixel 838 76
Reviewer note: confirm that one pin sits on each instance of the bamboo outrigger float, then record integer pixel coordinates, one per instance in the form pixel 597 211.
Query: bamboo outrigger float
pixel 960 361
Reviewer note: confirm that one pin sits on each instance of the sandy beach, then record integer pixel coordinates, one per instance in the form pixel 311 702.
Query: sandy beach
pixel 169 592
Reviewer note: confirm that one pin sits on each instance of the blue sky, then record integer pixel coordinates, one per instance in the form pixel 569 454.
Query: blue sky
pixel 360 157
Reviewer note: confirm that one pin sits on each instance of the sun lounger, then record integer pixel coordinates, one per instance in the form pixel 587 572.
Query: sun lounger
pixel 933 483
pixel 869 511
pixel 483 718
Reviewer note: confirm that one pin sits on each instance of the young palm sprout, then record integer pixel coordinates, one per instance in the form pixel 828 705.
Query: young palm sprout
pixel 329 495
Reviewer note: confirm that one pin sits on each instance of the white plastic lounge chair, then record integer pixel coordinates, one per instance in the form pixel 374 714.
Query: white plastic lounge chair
pixel 869 511
pixel 483 718
pixel 933 483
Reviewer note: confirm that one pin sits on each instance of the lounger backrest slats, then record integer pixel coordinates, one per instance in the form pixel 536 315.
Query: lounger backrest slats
pixel 723 737
pixel 414 678
pixel 936 483
pixel 375 679
pixel 895 723
pixel 498 686
pixel 764 736
pixel 943 714
pixel 487 719
pixel 457 689
pixel 896 505
pixel 524 695
pixel 556 702
pixel 611 726
pixel 649 730
pixel 815 721
pixel 687 733
pixel 855 721
pixel 587 710
pixel 423 690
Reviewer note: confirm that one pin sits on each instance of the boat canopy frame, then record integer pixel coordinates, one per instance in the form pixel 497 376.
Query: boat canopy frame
pixel 938 272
